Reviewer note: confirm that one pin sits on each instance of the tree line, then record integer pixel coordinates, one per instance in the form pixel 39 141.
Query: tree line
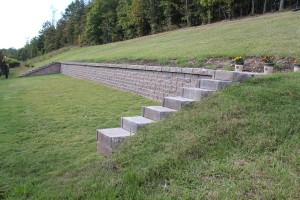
pixel 96 22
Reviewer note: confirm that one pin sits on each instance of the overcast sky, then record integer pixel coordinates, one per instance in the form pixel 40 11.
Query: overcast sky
pixel 21 20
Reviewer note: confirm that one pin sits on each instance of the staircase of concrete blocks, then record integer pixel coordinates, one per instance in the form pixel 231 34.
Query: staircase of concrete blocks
pixel 110 139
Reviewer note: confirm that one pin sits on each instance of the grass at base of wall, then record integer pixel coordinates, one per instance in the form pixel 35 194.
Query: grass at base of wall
pixel 16 72
pixel 273 34
pixel 48 134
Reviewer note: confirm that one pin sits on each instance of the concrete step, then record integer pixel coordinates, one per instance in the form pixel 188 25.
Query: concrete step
pixel 133 124
pixel 234 76
pixel 211 84
pixel 157 113
pixel 176 103
pixel 195 93
pixel 109 139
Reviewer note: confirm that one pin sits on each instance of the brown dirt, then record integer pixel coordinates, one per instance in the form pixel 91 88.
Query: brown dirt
pixel 252 64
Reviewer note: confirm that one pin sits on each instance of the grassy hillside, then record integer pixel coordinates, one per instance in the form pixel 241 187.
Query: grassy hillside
pixel 274 34
pixel 242 143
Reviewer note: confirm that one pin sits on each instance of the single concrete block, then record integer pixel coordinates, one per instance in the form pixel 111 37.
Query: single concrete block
pixel 157 113
pixel 211 84
pixel 133 124
pixel 223 75
pixel 234 76
pixel 195 93
pixel 109 139
pixel 176 103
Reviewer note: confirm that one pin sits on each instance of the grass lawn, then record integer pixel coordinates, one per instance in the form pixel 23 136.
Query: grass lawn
pixel 241 143
pixel 48 133
pixel 274 34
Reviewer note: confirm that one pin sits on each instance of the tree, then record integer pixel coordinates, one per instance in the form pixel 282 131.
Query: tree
pixel 281 5
pixel 125 21
pixel 101 25
pixel 252 7
pixel 1 55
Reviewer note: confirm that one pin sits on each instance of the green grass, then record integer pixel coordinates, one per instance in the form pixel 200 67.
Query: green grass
pixel 47 134
pixel 241 143
pixel 15 72
pixel 273 34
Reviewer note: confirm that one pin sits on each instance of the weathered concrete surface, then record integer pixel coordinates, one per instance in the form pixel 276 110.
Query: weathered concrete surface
pixel 133 124
pixel 109 139
pixel 195 93
pixel 157 113
pixel 212 84
pixel 176 103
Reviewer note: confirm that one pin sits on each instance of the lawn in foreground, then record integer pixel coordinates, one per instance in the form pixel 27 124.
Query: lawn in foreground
pixel 273 34
pixel 47 134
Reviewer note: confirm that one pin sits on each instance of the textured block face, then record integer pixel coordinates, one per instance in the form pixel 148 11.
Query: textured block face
pixel 109 139
pixel 212 84
pixel 234 76
pixel 103 149
pixel 223 75
pixel 176 103
pixel 195 93
pixel 157 113
pixel 133 124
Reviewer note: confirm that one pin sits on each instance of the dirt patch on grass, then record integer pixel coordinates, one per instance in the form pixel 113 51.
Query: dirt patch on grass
pixel 252 64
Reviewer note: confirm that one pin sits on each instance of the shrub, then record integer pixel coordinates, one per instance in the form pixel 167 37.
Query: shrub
pixel 12 63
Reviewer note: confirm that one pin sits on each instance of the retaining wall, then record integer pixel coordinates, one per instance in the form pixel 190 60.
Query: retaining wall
pixel 154 82
pixel 52 68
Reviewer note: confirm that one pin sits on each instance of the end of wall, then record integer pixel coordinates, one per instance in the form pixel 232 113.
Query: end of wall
pixel 52 68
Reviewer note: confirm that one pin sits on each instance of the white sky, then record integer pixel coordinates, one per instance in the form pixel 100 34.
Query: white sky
pixel 22 19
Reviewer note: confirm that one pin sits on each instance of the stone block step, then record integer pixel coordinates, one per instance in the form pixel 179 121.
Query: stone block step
pixel 195 93
pixel 109 139
pixel 133 124
pixel 157 113
pixel 234 76
pixel 211 84
pixel 176 103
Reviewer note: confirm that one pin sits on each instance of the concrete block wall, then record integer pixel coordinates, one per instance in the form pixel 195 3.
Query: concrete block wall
pixel 52 68
pixel 154 82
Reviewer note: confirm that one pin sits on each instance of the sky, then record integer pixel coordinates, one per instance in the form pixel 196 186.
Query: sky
pixel 21 20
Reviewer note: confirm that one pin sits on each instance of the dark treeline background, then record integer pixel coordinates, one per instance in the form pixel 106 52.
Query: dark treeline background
pixel 103 21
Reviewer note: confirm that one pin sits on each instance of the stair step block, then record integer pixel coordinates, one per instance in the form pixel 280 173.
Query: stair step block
pixel 211 84
pixel 157 113
pixel 195 93
pixel 110 139
pixel 133 124
pixel 176 103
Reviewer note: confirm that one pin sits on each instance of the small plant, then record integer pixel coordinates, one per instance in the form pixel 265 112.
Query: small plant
pixel 212 67
pixel 297 61
pixel 239 60
pixel 267 59
pixel 278 66
pixel 227 68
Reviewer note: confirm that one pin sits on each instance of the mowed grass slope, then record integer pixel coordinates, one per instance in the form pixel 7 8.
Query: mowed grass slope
pixel 241 143
pixel 48 132
pixel 273 34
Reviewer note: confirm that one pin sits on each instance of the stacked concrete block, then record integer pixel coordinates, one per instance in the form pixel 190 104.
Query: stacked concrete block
pixel 52 68
pixel 203 87
pixel 154 82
